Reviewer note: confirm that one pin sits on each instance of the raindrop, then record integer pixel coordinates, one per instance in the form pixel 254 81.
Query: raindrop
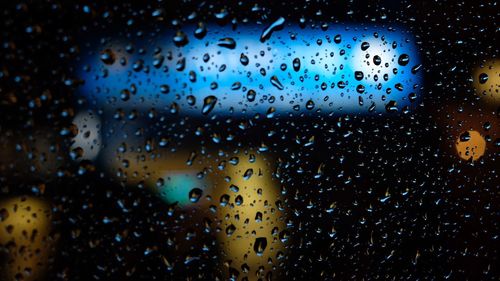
pixel 181 64
pixel 416 68
pixel 208 104
pixel 296 64
pixel 270 112
pixel 465 136
pixel 238 200
pixel 236 86
pixel 276 83
pixel 403 59
pixel 244 59
pixel 310 105
pixel 276 25
pixel 180 39
pixel 224 200
pixel 191 100
pixel 337 39
pixel 227 43
pixel 391 106
pixel 258 217
pixel 483 77
pixel 125 95
pixel 234 188
pixel 260 245
pixel 107 56
pixel 365 46
pixel 158 61
pixel 358 75
pixel 200 31
pixel 251 95
pixel 195 195
pixel 230 229
pixel 248 174
pixel 284 236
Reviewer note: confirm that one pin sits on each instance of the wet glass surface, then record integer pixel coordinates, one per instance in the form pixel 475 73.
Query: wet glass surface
pixel 265 140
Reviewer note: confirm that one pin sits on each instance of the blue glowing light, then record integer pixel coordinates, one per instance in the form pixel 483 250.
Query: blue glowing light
pixel 178 79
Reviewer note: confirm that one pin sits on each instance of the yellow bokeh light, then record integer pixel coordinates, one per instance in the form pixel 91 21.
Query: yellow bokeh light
pixel 473 147
pixel 251 217
pixel 24 232
pixel 487 81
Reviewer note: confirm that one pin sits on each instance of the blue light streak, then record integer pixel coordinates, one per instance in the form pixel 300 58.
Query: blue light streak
pixel 323 62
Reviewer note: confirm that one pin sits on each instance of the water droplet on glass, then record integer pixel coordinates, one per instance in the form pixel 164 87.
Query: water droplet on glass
pixel 251 95
pixel 248 174
pixel 230 229
pixel 260 245
pixel 224 200
pixel 337 39
pixel 180 39
pixel 270 112
pixel 227 43
pixel 310 104
pixel 278 24
pixel 391 106
pixel 365 46
pixel 284 236
pixel 416 68
pixel 483 77
pixel 465 136
pixel 358 75
pixel 276 83
pixel 296 64
pixel 208 104
pixel 244 59
pixel 107 56
pixel 195 195
pixel 200 31
pixel 238 200
pixel 181 64
pixel 236 86
pixel 403 59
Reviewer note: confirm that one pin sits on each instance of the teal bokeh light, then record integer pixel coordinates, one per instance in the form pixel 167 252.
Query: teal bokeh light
pixel 176 188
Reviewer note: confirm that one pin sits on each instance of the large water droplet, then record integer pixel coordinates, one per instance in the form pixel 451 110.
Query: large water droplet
pixel 107 56
pixel 403 59
pixel 195 195
pixel 251 95
pixel 266 34
pixel 483 77
pixel 208 104
pixel 310 104
pixel 244 59
pixel 248 174
pixel 296 64
pixel 260 245
pixel 227 43
pixel 230 230
pixel 276 83
pixel 365 46
pixel 358 75
pixel 180 39
pixel 200 31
